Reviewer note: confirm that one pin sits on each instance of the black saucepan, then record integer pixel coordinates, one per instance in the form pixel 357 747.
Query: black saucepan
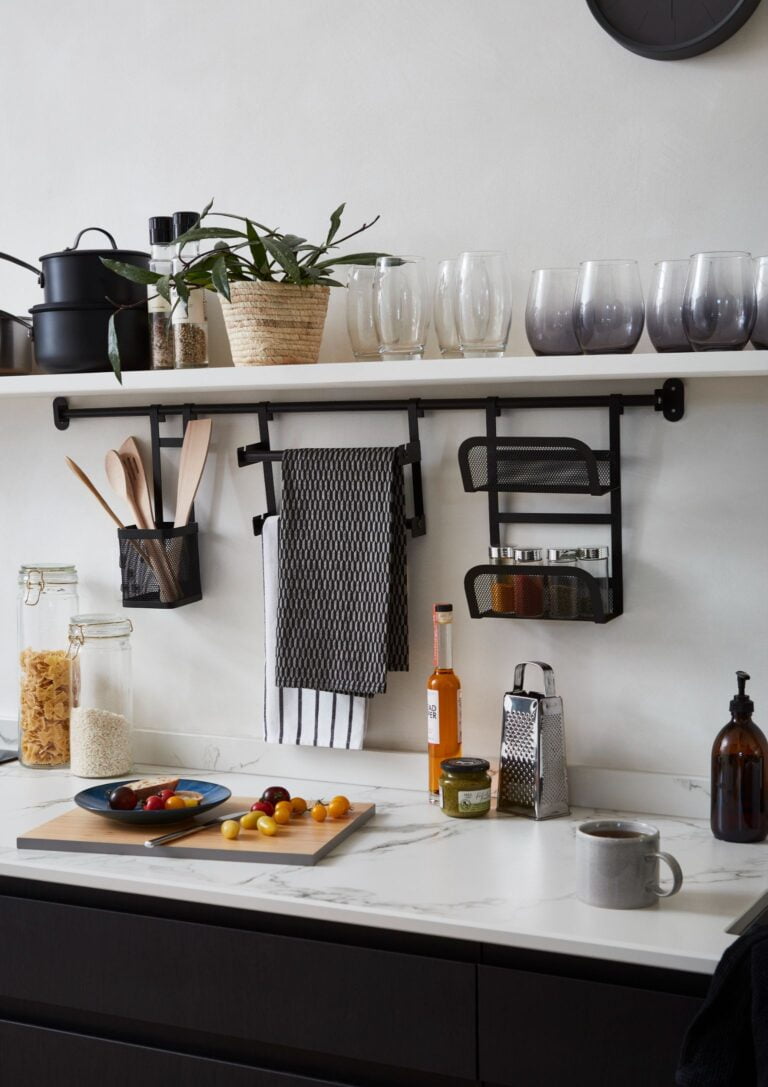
pixel 77 276
pixel 73 339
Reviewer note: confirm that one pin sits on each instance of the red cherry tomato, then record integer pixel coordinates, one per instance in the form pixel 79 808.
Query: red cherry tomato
pixel 154 803
pixel 274 794
pixel 264 807
pixel 166 794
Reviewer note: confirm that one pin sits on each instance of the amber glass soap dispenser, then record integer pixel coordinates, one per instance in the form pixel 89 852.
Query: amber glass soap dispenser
pixel 740 774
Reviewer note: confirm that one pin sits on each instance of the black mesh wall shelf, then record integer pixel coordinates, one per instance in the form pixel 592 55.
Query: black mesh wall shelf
pixel 543 465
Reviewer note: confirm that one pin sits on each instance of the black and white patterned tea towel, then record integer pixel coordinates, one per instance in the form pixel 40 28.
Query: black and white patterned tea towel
pixel 342 619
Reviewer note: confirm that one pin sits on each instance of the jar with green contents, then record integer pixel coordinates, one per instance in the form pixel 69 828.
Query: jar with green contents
pixel 465 787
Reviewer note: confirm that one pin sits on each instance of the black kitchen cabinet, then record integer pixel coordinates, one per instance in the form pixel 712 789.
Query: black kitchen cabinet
pixel 97 985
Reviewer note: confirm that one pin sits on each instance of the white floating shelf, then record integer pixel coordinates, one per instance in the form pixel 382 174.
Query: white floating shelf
pixel 264 382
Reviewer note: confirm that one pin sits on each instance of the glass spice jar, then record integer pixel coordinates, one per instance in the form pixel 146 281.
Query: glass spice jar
pixel 465 787
pixel 102 695
pixel 47 597
pixel 503 585
pixel 529 588
pixel 563 591
pixel 594 560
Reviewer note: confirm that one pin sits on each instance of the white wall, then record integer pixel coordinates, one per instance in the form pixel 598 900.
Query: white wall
pixel 493 124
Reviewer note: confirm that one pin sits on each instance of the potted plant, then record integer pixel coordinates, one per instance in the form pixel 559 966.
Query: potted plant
pixel 274 287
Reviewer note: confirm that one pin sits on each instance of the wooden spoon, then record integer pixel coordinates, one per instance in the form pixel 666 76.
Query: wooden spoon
pixel 194 451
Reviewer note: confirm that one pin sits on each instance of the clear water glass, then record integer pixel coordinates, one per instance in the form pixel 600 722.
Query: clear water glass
pixel 719 306
pixel 760 330
pixel 664 314
pixel 608 308
pixel 401 306
pixel 361 326
pixel 483 304
pixel 549 312
pixel 444 310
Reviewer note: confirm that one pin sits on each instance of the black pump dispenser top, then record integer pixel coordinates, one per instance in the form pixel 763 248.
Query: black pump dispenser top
pixel 742 704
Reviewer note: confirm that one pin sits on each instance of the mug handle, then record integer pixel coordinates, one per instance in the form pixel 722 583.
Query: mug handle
pixel 677 876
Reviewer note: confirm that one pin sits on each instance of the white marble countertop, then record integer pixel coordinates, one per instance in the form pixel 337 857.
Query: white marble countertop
pixel 502 880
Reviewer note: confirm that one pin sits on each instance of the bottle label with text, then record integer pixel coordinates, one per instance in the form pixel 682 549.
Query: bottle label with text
pixel 433 717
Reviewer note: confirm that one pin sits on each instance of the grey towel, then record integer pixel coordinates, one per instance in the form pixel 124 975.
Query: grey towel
pixel 342 618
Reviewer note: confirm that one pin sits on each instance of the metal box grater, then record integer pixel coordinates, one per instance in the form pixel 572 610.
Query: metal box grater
pixel 533 779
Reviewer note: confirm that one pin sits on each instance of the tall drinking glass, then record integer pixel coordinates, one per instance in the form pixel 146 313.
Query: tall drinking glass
pixel 444 310
pixel 483 304
pixel 760 331
pixel 549 312
pixel 719 304
pixel 665 306
pixel 360 323
pixel 608 311
pixel 401 307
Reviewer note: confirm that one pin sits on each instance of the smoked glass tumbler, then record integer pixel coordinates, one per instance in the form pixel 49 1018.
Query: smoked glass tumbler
pixel 665 306
pixel 608 311
pixel 444 307
pixel 483 304
pixel 360 323
pixel 719 303
pixel 549 312
pixel 760 331
pixel 401 306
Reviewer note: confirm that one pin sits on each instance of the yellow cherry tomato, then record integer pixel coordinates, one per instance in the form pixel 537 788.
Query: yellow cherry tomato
pixel 175 802
pixel 267 825
pixel 338 807
pixel 283 812
pixel 230 829
pixel 190 801
pixel 299 805
pixel 250 820
pixel 341 802
pixel 319 812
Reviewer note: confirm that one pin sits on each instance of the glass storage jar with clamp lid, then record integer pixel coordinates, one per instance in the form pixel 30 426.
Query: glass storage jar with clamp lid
pixel 102 695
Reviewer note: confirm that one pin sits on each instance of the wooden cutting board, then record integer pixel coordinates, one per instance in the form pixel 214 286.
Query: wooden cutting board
pixel 303 841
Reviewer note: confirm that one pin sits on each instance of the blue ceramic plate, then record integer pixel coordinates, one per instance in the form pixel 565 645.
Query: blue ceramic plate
pixel 96 800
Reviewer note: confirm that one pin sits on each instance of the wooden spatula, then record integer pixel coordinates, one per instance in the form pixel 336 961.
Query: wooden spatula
pixel 131 457
pixel 194 451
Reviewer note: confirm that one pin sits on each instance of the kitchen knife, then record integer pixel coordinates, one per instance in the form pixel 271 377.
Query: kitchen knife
pixel 152 842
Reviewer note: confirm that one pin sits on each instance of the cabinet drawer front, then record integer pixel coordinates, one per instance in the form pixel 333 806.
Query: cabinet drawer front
pixel 384 1007
pixel 541 1029
pixel 53 1058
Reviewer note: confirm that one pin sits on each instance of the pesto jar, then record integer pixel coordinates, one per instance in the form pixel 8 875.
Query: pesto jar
pixel 465 787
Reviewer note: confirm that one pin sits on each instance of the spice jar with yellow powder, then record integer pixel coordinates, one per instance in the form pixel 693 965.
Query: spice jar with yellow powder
pixel 47 599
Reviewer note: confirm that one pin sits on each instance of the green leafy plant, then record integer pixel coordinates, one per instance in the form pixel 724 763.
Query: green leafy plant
pixel 250 252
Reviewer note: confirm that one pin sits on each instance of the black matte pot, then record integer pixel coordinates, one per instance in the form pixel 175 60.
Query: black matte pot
pixel 77 276
pixel 73 339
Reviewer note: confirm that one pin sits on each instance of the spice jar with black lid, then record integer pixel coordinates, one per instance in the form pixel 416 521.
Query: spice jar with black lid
pixel 465 787
pixel 190 324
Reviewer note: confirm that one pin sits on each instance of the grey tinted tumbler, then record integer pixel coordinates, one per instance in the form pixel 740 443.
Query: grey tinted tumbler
pixel 664 314
pixel 549 312
pixel 760 331
pixel 719 305
pixel 608 308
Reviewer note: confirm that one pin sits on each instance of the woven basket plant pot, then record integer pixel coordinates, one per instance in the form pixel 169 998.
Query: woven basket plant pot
pixel 271 324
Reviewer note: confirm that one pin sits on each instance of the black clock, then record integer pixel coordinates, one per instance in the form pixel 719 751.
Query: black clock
pixel 671 29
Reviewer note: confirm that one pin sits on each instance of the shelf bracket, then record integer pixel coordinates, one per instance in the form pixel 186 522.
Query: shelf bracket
pixel 670 399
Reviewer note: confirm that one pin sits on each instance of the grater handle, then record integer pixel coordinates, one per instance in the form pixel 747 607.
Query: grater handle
pixel 547 671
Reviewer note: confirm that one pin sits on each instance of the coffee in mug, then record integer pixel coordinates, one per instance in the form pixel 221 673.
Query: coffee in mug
pixel 617 864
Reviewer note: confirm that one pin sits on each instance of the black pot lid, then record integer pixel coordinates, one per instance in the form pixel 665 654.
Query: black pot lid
pixel 113 254
pixel 59 307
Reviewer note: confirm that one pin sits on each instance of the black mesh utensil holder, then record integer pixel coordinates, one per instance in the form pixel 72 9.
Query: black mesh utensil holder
pixel 537 592
pixel 160 568
pixel 544 465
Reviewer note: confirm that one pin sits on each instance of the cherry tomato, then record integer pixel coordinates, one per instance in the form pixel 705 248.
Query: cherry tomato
pixel 264 807
pixel 275 793
pixel 190 801
pixel 122 799
pixel 267 825
pixel 166 794
pixel 250 820
pixel 337 809
pixel 230 829
pixel 174 802
pixel 154 803
pixel 283 812
pixel 299 805
pixel 319 812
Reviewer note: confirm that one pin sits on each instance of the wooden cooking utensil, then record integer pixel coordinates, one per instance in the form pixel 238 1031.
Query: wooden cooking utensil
pixel 94 491
pixel 131 457
pixel 194 451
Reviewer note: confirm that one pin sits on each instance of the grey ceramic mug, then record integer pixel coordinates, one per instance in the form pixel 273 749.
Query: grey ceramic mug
pixel 617 864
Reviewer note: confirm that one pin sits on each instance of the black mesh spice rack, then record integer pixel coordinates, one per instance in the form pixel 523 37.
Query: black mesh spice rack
pixel 490 463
